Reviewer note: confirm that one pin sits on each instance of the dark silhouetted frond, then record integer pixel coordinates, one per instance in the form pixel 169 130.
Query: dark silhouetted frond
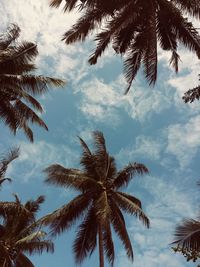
pixel 124 176
pixel 130 207
pixel 188 235
pixel 192 95
pixel 85 241
pixel 119 226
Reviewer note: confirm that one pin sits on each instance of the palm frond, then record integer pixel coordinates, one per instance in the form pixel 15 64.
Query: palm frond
pixel 6 160
pixel 20 54
pixel 36 246
pixel 69 4
pixel 118 223
pixel 192 95
pixel 108 242
pixel 32 237
pixel 33 84
pixel 130 207
pixel 190 7
pixel 64 217
pixel 124 176
pixel 55 3
pixel 72 178
pixel 11 35
pixel 7 207
pixel 83 27
pixel 27 114
pixel 135 200
pixel 175 60
pixel 188 235
pixel 34 205
pixel 85 241
pixel 150 54
pixel 132 64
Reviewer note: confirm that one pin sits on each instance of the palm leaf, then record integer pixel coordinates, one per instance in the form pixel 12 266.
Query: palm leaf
pixel 108 242
pixel 190 7
pixel 64 217
pixel 192 95
pixel 130 207
pixel 36 246
pixel 83 27
pixel 85 241
pixel 6 160
pixel 72 178
pixel 118 223
pixel 124 176
pixel 32 237
pixel 188 235
pixel 11 35
pixel 135 200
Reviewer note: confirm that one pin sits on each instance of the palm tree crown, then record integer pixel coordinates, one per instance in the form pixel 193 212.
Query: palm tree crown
pixel 19 233
pixel 17 85
pixel 100 201
pixel 135 28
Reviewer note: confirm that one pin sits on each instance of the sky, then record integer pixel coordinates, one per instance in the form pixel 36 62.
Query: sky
pixel 152 126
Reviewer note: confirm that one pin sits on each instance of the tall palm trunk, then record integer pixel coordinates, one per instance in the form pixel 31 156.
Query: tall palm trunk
pixel 101 257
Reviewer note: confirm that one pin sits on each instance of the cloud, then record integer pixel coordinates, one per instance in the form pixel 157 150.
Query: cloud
pixel 144 146
pixel 36 157
pixel 183 140
pixel 102 100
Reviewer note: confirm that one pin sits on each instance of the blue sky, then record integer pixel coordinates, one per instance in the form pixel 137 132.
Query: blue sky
pixel 149 125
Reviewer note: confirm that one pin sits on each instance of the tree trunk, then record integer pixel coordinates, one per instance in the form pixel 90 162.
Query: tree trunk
pixel 101 256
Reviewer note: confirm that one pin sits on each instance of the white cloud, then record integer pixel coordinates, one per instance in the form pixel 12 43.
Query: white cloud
pixel 36 157
pixel 103 100
pixel 183 140
pixel 144 146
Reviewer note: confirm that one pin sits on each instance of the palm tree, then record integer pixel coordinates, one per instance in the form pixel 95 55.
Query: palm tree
pixel 100 201
pixel 135 29
pixel 20 234
pixel 5 161
pixel 18 85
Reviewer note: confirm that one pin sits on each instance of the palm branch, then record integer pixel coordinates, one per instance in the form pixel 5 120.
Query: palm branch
pixel 188 235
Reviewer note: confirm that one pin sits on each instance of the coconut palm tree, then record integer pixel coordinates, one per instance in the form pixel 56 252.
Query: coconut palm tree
pixel 99 201
pixel 18 84
pixel 5 161
pixel 135 29
pixel 20 234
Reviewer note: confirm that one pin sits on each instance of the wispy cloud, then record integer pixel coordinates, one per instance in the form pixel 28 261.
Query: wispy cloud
pixel 183 140
pixel 144 146
pixel 35 157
